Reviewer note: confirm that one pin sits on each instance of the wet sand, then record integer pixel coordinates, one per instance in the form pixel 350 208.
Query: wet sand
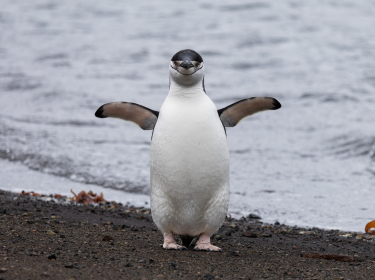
pixel 50 239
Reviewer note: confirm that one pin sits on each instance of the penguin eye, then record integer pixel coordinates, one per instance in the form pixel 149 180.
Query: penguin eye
pixel 176 63
pixel 196 63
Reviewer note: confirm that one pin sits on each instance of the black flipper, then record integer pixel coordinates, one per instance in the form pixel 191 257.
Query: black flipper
pixel 234 113
pixel 142 116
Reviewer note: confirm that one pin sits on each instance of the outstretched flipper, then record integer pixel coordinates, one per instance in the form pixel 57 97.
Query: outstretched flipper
pixel 142 116
pixel 234 113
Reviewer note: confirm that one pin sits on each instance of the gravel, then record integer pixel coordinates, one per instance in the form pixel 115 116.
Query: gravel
pixel 63 240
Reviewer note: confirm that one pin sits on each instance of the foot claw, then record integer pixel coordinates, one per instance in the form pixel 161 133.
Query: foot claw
pixel 170 243
pixel 204 244
pixel 175 247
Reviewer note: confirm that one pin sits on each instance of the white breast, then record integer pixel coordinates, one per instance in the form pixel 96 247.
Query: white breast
pixel 189 167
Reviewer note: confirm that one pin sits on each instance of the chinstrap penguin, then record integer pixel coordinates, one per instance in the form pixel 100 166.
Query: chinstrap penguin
pixel 189 158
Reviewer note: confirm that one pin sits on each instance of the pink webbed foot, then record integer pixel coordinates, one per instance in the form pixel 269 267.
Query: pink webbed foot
pixel 204 243
pixel 170 243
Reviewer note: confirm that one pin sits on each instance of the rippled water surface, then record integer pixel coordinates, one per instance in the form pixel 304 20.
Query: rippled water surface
pixel 311 163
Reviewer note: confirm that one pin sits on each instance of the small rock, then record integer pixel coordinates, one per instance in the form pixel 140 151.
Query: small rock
pixel 249 234
pixel 151 261
pixel 50 232
pixel 254 216
pixel 160 276
pixel 128 265
pixel 45 274
pixel 69 265
pixel 173 264
pixel 209 276
pixel 3 269
pixel 107 238
pixel 62 236
pixel 235 253
pixel 52 257
pixel 134 228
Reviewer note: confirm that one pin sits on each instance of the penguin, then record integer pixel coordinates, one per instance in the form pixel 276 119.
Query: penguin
pixel 189 155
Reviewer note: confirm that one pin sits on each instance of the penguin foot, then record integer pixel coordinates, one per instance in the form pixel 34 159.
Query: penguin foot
pixel 174 247
pixel 204 244
pixel 170 243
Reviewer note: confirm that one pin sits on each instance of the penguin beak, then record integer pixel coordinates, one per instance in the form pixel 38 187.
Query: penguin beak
pixel 186 67
pixel 186 64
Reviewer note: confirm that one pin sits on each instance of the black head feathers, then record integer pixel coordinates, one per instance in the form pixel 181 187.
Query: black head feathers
pixel 189 55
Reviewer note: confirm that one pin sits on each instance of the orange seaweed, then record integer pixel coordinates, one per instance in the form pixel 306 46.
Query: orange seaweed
pixel 87 198
pixel 30 193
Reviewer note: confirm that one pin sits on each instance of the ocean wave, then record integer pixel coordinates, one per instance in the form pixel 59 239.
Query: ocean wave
pixel 68 168
pixel 328 97
pixel 347 146
pixel 241 7
pixel 78 165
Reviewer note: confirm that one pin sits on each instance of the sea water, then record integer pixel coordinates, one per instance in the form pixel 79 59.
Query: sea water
pixel 311 163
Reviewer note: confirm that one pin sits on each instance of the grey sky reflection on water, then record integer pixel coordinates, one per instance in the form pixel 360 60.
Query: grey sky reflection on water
pixel 61 61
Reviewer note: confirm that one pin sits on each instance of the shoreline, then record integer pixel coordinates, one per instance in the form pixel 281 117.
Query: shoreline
pixel 41 238
pixel 41 182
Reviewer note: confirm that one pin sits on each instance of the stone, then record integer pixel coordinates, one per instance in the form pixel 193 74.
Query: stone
pixel 254 216
pixel 249 234
pixel 52 257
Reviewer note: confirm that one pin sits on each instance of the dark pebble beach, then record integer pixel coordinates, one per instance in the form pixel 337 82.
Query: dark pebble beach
pixel 43 237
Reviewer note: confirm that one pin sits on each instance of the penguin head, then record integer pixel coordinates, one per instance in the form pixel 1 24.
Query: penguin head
pixel 186 68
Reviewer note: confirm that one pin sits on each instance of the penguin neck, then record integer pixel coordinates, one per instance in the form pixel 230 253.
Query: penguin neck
pixel 190 91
